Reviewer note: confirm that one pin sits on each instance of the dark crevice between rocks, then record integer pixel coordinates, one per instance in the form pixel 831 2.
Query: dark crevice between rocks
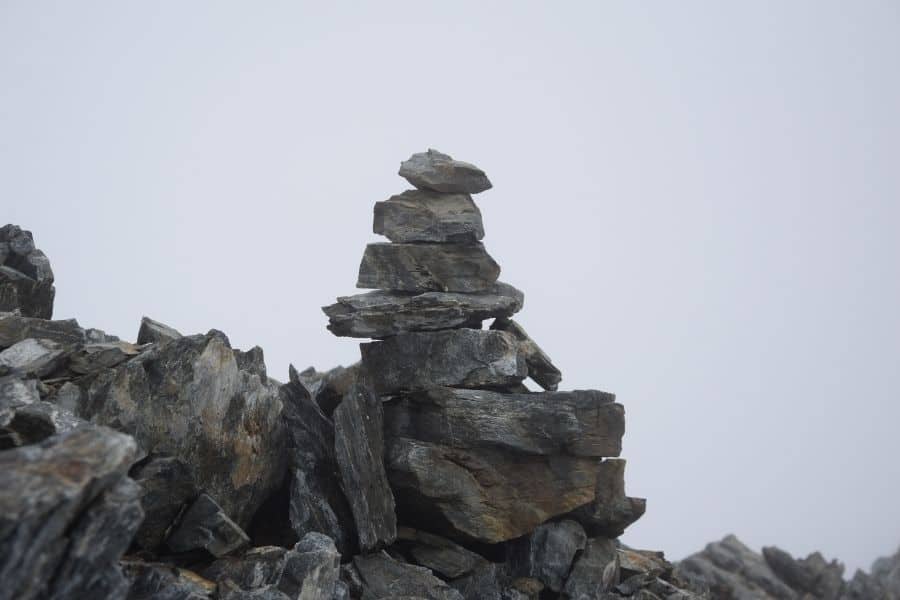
pixel 271 525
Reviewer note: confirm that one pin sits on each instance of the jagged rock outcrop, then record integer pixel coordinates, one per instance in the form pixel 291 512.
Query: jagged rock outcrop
pixel 26 279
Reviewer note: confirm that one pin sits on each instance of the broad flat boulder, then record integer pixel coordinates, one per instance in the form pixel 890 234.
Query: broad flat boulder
pixel 381 576
pixel 67 513
pixel 26 279
pixel 427 268
pixel 445 557
pixel 547 553
pixel 579 423
pixel 426 216
pixel 485 494
pixel 611 510
pixel 154 332
pixel 15 328
pixel 359 448
pixel 433 170
pixel 382 314
pixel 459 357
pixel 540 367
pixel 190 399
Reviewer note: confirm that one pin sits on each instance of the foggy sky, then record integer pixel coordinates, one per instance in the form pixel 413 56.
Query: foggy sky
pixel 699 200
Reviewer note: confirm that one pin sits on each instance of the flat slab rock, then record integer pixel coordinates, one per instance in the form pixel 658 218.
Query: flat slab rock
pixel 427 268
pixel 433 170
pixel 426 216
pixel 15 328
pixel 579 423
pixel 381 576
pixel 382 314
pixel 444 557
pixel 459 357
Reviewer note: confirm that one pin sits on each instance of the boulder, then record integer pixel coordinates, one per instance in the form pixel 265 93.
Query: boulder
pixel 92 358
pixel 381 576
pixel 205 525
pixel 611 511
pixel 26 279
pixel 168 487
pixel 381 314
pixel 595 570
pixel 458 357
pixel 31 357
pixel 446 558
pixel 426 216
pixel 25 419
pixel 154 332
pixel 15 328
pixel 547 553
pixel 427 268
pixel 433 170
pixel 158 581
pixel 540 368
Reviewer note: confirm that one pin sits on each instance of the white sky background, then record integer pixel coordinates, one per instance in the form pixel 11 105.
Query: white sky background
pixel 699 200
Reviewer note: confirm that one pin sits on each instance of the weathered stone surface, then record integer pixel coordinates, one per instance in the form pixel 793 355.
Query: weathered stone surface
pixel 15 328
pixel 317 503
pixel 579 423
pixel 611 511
pixel 310 569
pixel 189 399
pixel 547 553
pixel 439 554
pixel 491 581
pixel 427 268
pixel 258 567
pixel 381 314
pixel 157 581
pixel 459 357
pixel 488 495
pixel 812 575
pixel 92 358
pixel 25 418
pixel 205 525
pixel 154 332
pixel 886 570
pixel 595 571
pixel 67 513
pixel 33 357
pixel 433 170
pixel 426 216
pixel 168 486
pixel 540 368
pixel 359 448
pixel 383 577
pixel 26 279
pixel 326 389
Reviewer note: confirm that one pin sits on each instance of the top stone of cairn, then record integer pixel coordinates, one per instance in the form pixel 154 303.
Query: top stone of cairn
pixel 436 171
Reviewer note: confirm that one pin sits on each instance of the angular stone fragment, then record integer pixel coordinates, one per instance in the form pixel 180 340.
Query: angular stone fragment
pixel 439 554
pixel 547 553
pixel 256 568
pixel 383 577
pixel 488 495
pixel 91 358
pixel 26 279
pixel 168 486
pixel 157 581
pixel 205 525
pixel 436 171
pixel 595 571
pixel 25 419
pixel 459 357
pixel 491 581
pixel 427 268
pixel 15 328
pixel 190 399
pixel 326 389
pixel 812 575
pixel 32 357
pixel 579 423
pixel 426 216
pixel 67 512
pixel 611 511
pixel 310 569
pixel 540 368
pixel 381 314
pixel 154 332
pixel 359 448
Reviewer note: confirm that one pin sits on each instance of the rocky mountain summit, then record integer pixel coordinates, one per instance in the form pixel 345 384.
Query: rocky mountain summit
pixel 174 468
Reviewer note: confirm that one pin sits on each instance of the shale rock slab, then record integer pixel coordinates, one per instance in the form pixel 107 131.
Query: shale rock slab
pixel 611 511
pixel 206 526
pixel 37 358
pixel 26 279
pixel 168 487
pixel 380 576
pixel 459 357
pixel 15 328
pixel 157 581
pixel 547 553
pixel 154 332
pixel 442 556
pixel 382 314
pixel 433 170
pixel 427 268
pixel 426 216
pixel 540 367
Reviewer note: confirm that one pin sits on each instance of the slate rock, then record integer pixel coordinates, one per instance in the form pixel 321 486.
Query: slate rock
pixel 634 562
pixel 158 581
pixel 154 332
pixel 547 553
pixel 459 357
pixel 491 581
pixel 381 314
pixel 26 279
pixel 426 216
pixel 168 487
pixel 359 448
pixel 311 568
pixel 444 557
pixel 579 423
pixel 67 513
pixel 595 570
pixel 256 568
pixel 15 328
pixel 487 495
pixel 812 575
pixel 384 577
pixel 37 358
pixel 25 418
pixel 612 511
pixel 91 358
pixel 433 170
pixel 205 525
pixel 427 268
pixel 540 368
pixel 326 389
pixel 189 399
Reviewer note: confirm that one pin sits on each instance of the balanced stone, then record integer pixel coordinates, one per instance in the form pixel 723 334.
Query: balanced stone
pixel 579 423
pixel 381 314
pixel 427 267
pixel 436 171
pixel 458 357
pixel 426 216
pixel 204 525
pixel 540 368
pixel 611 511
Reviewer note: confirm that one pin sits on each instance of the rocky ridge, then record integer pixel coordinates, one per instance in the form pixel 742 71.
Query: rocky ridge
pixel 174 467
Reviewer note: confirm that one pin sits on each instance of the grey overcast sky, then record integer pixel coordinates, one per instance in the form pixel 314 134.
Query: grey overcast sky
pixel 700 200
